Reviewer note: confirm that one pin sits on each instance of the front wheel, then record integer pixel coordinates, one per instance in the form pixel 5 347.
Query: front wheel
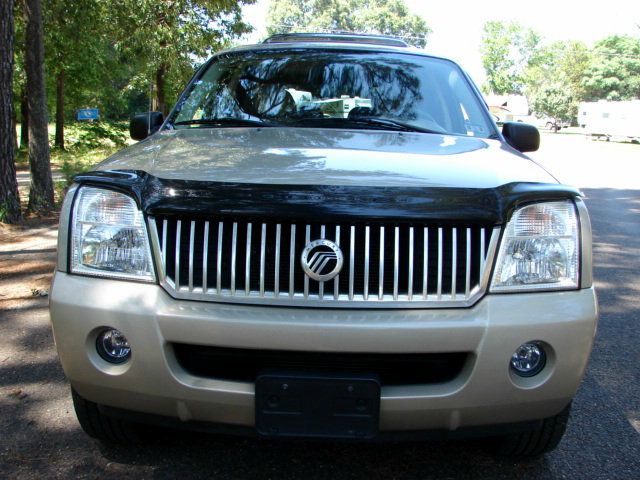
pixel 535 442
pixel 96 424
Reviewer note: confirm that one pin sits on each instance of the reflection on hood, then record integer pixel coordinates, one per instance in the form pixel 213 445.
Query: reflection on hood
pixel 327 157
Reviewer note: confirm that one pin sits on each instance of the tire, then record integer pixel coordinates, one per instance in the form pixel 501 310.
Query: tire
pixel 110 430
pixel 536 442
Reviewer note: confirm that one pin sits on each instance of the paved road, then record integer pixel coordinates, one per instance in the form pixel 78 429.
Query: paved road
pixel 39 436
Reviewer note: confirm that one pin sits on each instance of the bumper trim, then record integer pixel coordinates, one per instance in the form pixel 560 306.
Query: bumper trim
pixel 382 436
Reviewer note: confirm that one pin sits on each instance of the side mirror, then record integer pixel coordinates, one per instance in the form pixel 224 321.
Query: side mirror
pixel 521 136
pixel 145 124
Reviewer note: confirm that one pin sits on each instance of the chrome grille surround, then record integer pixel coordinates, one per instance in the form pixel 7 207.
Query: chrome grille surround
pixel 389 273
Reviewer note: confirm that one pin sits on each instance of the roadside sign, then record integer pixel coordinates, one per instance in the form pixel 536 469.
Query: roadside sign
pixel 88 114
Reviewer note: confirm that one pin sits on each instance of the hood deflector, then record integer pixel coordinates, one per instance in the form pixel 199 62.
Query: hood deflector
pixel 334 203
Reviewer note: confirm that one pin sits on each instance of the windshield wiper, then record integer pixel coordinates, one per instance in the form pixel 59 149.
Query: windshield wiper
pixel 225 121
pixel 374 122
pixel 392 124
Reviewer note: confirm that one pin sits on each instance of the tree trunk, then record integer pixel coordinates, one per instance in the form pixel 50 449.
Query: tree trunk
pixel 41 192
pixel 60 110
pixel 160 89
pixel 24 119
pixel 9 198
pixel 14 129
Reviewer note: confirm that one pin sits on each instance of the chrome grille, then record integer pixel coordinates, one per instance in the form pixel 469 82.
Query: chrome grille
pixel 385 264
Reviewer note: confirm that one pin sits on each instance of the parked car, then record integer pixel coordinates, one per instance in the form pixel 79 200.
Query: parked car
pixel 327 237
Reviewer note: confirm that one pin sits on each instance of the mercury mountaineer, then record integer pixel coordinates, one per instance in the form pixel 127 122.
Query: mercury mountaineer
pixel 327 237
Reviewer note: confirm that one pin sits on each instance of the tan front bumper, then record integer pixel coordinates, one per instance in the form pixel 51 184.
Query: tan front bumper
pixel 485 393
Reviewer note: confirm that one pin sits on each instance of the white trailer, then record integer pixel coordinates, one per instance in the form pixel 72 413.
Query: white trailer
pixel 610 119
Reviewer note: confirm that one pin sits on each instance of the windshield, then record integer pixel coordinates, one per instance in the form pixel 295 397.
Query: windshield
pixel 333 89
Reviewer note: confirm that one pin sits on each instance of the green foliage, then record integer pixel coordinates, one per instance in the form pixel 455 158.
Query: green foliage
pixel 91 135
pixel 555 100
pixel 556 77
pixel 171 37
pixel 88 144
pixel 553 84
pixel 614 70
pixel 110 50
pixel 559 61
pixel 389 17
pixel 508 50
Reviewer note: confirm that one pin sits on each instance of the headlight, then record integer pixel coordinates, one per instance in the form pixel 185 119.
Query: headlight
pixel 109 237
pixel 540 249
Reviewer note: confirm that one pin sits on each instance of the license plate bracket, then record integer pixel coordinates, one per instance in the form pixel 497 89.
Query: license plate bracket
pixel 290 404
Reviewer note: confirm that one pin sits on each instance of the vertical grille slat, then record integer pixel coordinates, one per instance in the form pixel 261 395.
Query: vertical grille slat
pixel 205 257
pixel 381 267
pixel 164 247
pixel 352 255
pixel 410 265
pixel 263 253
pixel 425 265
pixel 396 261
pixel 276 280
pixel 307 239
pixel 383 263
pixel 177 255
pixel 234 244
pixel 482 252
pixel 219 259
pixel 366 261
pixel 454 261
pixel 467 276
pixel 323 233
pixel 192 233
pixel 439 291
pixel 292 254
pixel 336 282
pixel 247 263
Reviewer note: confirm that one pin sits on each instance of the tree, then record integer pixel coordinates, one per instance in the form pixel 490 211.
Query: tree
pixel 614 70
pixel 75 45
pixel 508 49
pixel 167 38
pixel 41 191
pixel 9 197
pixel 388 17
pixel 20 104
pixel 566 61
pixel 553 84
pixel 555 100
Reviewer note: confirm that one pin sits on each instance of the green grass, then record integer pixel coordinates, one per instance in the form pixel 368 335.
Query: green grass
pixel 86 144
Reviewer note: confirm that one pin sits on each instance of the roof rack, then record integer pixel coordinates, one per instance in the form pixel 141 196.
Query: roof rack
pixel 339 37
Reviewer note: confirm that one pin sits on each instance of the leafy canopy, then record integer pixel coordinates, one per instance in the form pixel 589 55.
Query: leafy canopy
pixel 174 35
pixel 508 49
pixel 614 70
pixel 388 17
pixel 553 84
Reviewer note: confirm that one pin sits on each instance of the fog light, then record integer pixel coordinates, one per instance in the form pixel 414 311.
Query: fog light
pixel 113 346
pixel 529 359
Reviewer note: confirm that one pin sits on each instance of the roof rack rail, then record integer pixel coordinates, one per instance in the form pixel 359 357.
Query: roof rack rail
pixel 338 37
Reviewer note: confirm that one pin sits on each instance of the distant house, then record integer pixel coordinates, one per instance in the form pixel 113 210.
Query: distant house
pixel 509 108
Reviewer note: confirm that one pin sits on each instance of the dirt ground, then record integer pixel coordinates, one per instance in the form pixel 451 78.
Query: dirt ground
pixel 27 258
